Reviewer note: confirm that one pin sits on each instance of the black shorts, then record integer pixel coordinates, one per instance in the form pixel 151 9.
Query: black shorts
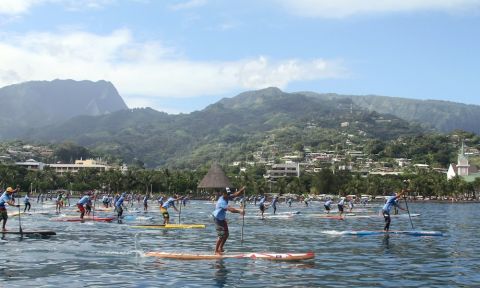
pixel 262 208
pixel 3 214
pixel 165 213
pixel 327 207
pixel 340 208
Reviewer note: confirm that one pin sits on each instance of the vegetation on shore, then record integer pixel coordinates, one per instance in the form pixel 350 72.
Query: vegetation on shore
pixel 423 183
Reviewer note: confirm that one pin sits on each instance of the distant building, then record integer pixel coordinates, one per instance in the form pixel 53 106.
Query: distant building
pixel 462 168
pixel 79 165
pixel 31 164
pixel 283 170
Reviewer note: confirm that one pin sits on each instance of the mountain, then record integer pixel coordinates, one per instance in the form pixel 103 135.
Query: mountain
pixel 36 104
pixel 444 116
pixel 227 130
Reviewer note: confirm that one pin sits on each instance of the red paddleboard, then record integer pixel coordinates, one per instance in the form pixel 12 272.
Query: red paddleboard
pixel 98 219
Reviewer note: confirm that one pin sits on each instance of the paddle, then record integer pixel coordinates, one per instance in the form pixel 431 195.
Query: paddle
pixel 19 221
pixel 410 217
pixel 94 202
pixel 243 216
pixel 406 205
pixel 180 211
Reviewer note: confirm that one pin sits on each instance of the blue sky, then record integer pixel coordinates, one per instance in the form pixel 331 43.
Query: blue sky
pixel 180 56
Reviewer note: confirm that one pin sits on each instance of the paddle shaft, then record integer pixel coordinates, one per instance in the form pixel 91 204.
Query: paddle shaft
pixel 19 221
pixel 180 211
pixel 406 204
pixel 409 216
pixel 243 216
pixel 94 202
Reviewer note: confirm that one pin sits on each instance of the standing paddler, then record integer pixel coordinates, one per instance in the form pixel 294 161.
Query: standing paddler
pixel 26 201
pixel 341 205
pixel 219 216
pixel 274 204
pixel 7 198
pixel 119 206
pixel 81 203
pixel 262 205
pixel 169 203
pixel 391 202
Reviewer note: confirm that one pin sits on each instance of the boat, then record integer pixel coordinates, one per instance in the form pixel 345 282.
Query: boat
pixel 244 255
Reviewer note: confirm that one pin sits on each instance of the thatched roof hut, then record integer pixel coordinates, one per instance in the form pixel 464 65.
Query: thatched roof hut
pixel 215 180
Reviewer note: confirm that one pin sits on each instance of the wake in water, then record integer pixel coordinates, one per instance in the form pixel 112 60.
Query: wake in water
pixel 332 232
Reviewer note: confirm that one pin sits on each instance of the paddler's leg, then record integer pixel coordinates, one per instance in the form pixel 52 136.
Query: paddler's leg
pixel 387 218
pixel 82 210
pixel 4 217
pixel 166 216
pixel 222 233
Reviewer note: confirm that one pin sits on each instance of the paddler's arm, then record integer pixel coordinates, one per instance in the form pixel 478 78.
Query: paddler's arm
pixel 238 192
pixel 235 210
pixel 12 202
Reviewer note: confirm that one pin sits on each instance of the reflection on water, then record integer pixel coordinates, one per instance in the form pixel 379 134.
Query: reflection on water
pixel 99 254
pixel 221 273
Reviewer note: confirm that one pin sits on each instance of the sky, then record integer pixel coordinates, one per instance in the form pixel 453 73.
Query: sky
pixel 183 55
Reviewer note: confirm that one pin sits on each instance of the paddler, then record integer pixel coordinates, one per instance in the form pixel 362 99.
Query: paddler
pixel 261 205
pixel 219 216
pixel 169 203
pixel 274 204
pixel 58 203
pixel 327 205
pixel 119 206
pixel 391 202
pixel 341 205
pixel 80 205
pixel 26 201
pixel 7 198
pixel 145 203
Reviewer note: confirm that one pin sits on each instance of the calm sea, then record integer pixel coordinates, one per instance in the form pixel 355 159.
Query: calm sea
pixel 94 254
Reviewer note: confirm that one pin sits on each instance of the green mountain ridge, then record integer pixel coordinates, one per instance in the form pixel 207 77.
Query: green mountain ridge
pixel 93 114
pixel 229 129
pixel 444 116
pixel 39 103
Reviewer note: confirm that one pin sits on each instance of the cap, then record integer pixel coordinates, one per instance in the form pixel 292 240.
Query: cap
pixel 228 190
pixel 9 190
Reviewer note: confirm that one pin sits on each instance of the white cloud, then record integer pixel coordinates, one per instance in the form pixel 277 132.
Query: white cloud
pixel 13 7
pixel 346 8
pixel 147 69
pixel 188 4
pixel 16 7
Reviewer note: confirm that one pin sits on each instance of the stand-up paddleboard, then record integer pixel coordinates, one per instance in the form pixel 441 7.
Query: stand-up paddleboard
pixel 169 226
pixel 31 232
pixel 355 216
pixel 381 232
pixel 68 219
pixel 13 214
pixel 103 209
pixel 209 256
pixel 136 218
pixel 284 216
pixel 283 213
pixel 326 216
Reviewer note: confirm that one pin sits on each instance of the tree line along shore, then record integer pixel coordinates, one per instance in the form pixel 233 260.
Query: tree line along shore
pixel 423 184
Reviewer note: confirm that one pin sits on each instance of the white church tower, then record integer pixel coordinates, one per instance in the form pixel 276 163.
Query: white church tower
pixel 462 167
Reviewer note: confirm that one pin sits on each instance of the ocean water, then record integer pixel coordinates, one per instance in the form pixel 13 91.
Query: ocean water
pixel 95 254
